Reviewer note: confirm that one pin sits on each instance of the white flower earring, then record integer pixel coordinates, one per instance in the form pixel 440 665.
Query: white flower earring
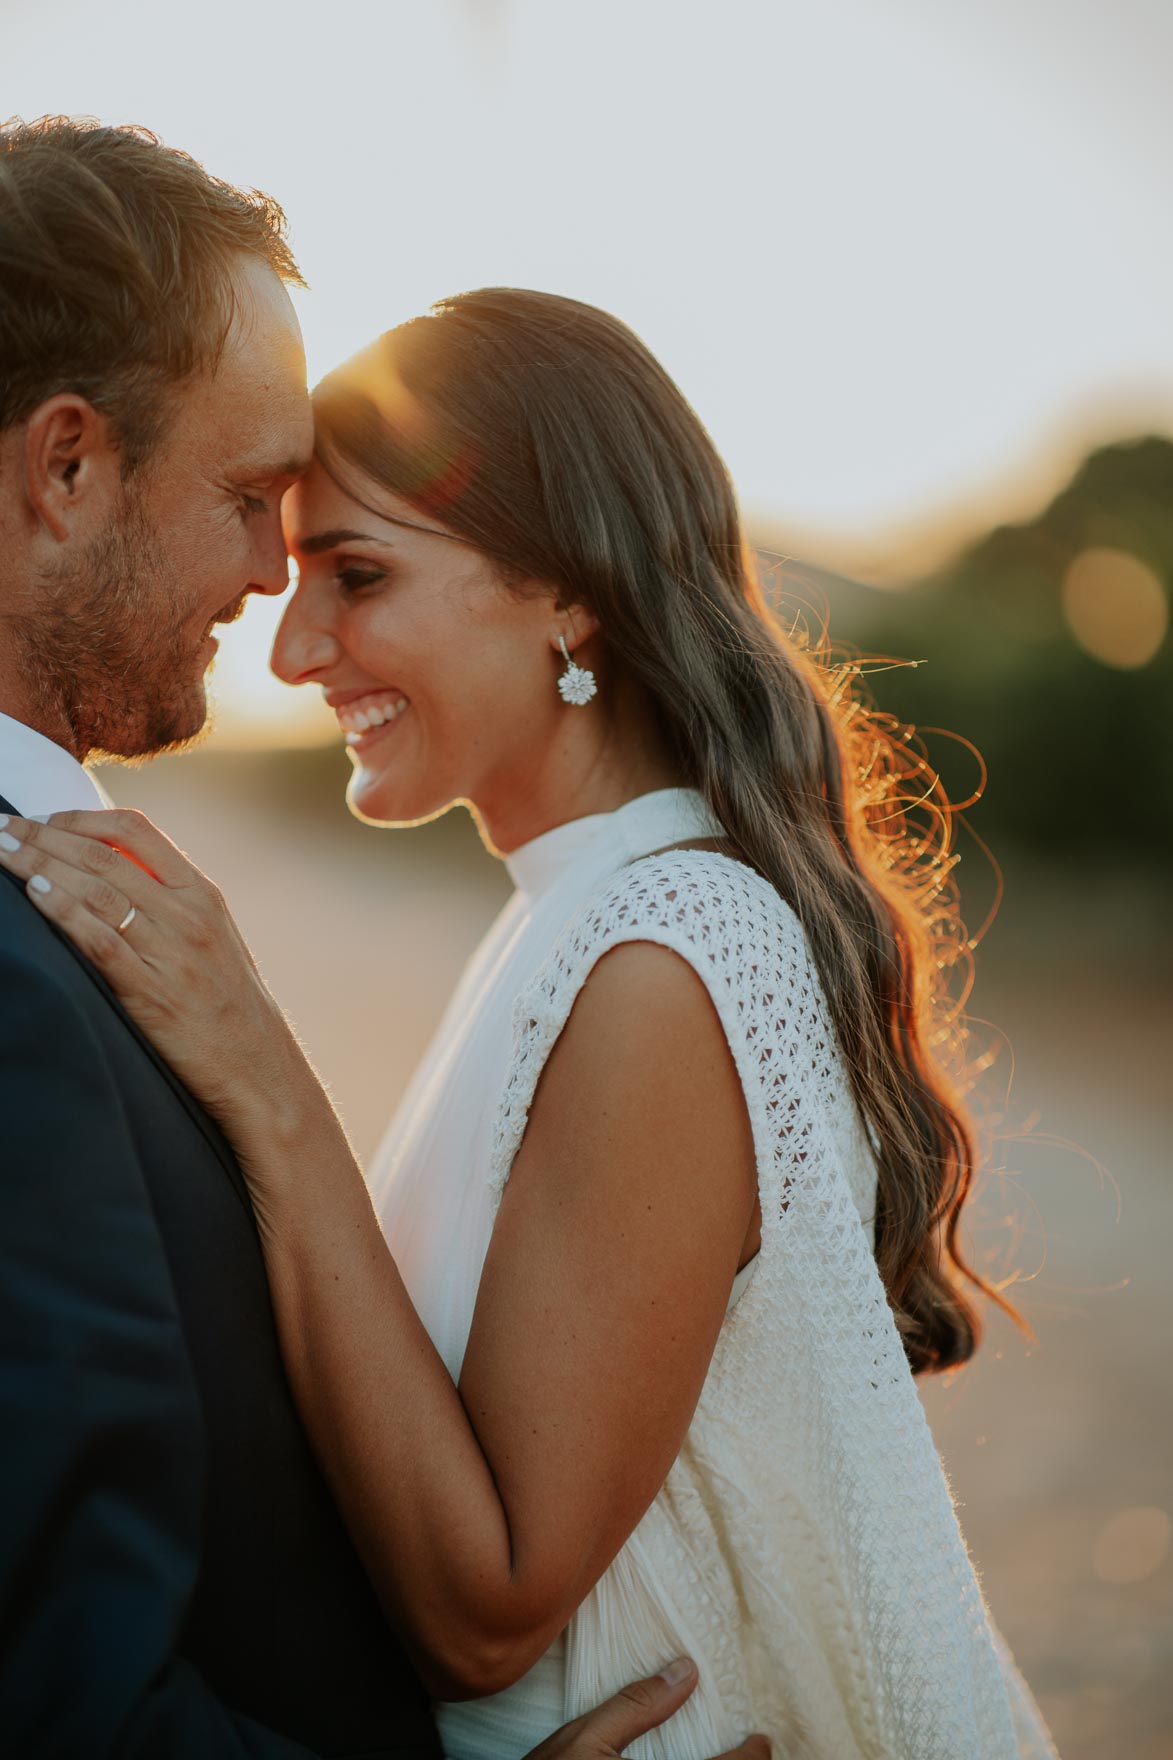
pixel 577 684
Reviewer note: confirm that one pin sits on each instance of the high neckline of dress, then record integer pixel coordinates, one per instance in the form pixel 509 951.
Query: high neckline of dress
pixel 647 823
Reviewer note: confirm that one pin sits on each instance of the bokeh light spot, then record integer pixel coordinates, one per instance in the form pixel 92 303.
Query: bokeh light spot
pixel 1116 606
pixel 1134 1544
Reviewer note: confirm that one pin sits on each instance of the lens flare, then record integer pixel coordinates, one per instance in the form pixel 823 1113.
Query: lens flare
pixel 1133 1546
pixel 1116 607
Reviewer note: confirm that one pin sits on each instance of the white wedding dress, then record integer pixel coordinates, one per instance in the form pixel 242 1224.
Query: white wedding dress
pixel 803 1549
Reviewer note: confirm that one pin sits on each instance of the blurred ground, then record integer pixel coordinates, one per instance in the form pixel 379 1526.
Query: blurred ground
pixel 1055 1453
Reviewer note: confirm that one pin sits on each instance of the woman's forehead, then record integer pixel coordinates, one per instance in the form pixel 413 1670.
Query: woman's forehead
pixel 319 506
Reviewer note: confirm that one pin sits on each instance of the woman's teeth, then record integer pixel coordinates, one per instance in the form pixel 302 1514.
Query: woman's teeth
pixel 356 718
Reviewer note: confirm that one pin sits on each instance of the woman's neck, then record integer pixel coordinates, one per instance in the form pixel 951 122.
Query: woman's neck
pixel 595 795
pixel 599 768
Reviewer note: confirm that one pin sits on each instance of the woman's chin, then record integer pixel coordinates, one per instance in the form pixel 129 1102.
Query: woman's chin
pixel 383 800
pixel 373 800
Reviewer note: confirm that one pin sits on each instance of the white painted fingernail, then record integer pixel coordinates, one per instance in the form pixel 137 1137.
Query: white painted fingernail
pixel 8 842
pixel 40 884
pixel 3 820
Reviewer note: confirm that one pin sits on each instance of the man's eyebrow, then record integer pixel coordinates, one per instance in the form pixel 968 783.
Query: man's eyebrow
pixel 320 541
pixel 272 473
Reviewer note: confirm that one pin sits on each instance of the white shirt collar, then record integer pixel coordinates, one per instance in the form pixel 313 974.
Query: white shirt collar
pixel 641 826
pixel 40 778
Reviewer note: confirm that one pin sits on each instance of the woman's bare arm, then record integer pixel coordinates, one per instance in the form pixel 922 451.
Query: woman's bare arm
pixel 485 1514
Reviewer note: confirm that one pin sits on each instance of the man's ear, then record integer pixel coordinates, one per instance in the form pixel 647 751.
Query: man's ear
pixel 72 469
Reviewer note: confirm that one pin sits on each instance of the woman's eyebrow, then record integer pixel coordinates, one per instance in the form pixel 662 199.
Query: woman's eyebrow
pixel 330 541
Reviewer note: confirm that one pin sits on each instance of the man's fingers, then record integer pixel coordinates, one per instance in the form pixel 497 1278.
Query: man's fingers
pixel 639 1708
pixel 606 1732
pixel 753 1748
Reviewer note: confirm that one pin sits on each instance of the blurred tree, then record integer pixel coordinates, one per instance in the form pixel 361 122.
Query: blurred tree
pixel 1080 752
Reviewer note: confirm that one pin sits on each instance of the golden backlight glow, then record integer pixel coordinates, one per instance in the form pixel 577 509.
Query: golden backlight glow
pixel 1116 607
pixel 870 425
pixel 249 706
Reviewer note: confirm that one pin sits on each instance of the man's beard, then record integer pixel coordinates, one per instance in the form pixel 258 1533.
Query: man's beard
pixel 110 667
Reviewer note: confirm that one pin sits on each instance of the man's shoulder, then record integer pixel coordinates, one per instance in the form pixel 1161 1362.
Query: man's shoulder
pixel 71 1071
pixel 36 963
pixel 58 1013
pixel 62 1027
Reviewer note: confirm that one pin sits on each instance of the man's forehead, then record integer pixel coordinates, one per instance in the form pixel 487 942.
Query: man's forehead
pixel 256 440
pixel 264 360
pixel 249 417
pixel 261 302
pixel 265 419
pixel 263 353
pixel 268 434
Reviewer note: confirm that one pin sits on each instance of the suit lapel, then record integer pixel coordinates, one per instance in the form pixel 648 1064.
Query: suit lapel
pixel 215 1137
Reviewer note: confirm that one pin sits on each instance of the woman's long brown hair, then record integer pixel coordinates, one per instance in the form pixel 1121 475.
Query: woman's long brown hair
pixel 544 432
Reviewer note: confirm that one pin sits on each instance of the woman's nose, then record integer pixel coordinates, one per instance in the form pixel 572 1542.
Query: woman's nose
pixel 305 645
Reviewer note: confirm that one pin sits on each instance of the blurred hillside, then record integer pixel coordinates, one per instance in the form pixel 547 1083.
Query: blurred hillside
pixel 1045 644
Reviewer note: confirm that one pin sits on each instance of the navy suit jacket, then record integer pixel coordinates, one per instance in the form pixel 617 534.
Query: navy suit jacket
pixel 175 1579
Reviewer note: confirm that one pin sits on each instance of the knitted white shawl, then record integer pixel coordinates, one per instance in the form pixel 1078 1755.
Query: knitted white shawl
pixel 804 1548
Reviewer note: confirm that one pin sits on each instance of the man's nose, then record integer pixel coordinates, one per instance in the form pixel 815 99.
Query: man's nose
pixel 305 645
pixel 271 563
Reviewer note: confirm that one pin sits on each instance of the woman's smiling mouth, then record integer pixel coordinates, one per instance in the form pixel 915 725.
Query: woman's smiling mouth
pixel 363 718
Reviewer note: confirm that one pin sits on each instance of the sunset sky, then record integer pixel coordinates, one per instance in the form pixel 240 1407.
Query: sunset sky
pixel 905 259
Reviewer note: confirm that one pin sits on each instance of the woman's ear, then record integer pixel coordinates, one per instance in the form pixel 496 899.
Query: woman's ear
pixel 572 624
pixel 72 467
